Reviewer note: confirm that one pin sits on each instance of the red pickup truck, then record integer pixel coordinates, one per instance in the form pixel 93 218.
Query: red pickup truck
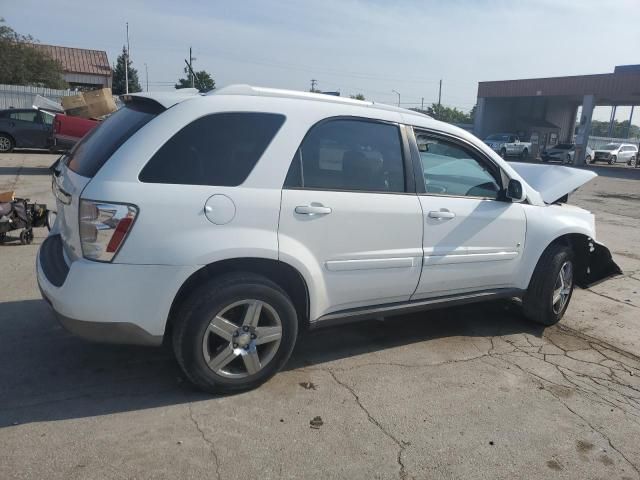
pixel 68 130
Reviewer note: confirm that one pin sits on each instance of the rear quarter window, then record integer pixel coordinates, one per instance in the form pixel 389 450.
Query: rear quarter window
pixel 219 149
pixel 93 151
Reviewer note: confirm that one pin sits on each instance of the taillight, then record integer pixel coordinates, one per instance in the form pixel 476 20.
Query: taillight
pixel 104 228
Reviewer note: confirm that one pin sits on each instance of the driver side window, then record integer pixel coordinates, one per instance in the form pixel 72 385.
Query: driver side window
pixel 450 169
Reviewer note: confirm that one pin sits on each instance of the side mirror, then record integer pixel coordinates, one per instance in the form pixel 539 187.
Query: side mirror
pixel 515 192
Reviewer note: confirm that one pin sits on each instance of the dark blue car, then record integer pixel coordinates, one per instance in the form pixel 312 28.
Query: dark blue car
pixel 24 128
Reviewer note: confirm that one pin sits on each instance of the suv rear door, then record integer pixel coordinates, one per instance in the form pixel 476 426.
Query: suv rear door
pixel 350 214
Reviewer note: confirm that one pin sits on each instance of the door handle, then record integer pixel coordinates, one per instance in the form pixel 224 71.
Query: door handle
pixel 441 214
pixel 313 210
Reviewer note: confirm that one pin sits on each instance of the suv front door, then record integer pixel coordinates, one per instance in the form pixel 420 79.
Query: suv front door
pixel 473 240
pixel 350 215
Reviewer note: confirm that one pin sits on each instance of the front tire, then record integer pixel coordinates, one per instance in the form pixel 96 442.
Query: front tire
pixel 613 160
pixel 234 333
pixel 503 153
pixel 587 159
pixel 524 154
pixel 551 286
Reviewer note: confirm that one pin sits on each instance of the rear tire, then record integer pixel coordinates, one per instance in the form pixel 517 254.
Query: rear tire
pixel 551 286
pixel 587 159
pixel 632 161
pixel 215 356
pixel 503 153
pixel 6 143
pixel 524 154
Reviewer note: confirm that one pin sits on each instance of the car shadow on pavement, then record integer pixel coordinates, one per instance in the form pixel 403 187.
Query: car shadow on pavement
pixel 24 171
pixel 47 374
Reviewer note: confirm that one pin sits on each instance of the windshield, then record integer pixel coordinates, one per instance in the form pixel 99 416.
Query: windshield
pixel 564 146
pixel 610 146
pixel 501 137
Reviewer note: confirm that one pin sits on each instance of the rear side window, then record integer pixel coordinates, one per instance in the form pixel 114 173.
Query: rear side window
pixel 219 150
pixel 353 155
pixel 92 152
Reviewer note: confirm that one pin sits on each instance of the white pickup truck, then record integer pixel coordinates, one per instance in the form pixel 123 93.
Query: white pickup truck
pixel 508 145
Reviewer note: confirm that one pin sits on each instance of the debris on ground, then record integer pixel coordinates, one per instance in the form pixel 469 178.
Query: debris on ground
pixel 316 422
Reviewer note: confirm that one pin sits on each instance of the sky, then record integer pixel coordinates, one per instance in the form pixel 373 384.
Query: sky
pixel 353 46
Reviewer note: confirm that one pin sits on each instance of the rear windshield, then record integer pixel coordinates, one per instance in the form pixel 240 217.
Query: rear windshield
pixel 93 151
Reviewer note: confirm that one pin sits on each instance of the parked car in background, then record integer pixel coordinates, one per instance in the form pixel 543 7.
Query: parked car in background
pixel 25 128
pixel 68 130
pixel 616 153
pixel 563 153
pixel 508 145
pixel 296 210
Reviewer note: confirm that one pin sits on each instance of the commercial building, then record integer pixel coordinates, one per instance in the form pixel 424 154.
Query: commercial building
pixel 544 110
pixel 82 68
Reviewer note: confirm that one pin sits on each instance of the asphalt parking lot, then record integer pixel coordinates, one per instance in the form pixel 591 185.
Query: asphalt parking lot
pixel 471 392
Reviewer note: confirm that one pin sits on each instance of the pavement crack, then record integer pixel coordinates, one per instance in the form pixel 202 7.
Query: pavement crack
pixel 205 439
pixel 401 445
pixel 612 298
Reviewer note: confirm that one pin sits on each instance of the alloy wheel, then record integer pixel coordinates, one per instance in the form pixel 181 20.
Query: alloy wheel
pixel 562 287
pixel 242 338
pixel 5 144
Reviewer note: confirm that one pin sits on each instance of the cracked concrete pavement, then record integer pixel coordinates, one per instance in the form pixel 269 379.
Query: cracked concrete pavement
pixel 471 392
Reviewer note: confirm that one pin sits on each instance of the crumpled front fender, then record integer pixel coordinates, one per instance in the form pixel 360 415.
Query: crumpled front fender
pixel 600 266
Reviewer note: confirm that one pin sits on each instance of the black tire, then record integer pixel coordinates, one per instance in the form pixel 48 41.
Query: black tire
pixel 568 159
pixel 26 236
pixel 525 153
pixel 503 153
pixel 7 143
pixel 537 303
pixel 612 160
pixel 209 300
pixel 3 237
pixel 632 161
pixel 587 159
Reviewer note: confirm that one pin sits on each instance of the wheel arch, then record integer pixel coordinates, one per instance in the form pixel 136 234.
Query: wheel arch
pixel 593 261
pixel 279 272
pixel 13 139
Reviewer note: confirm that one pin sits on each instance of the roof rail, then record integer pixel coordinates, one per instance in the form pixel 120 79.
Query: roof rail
pixel 250 90
pixel 243 89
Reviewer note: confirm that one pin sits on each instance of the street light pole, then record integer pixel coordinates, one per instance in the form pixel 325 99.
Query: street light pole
pixel 126 64
pixel 397 93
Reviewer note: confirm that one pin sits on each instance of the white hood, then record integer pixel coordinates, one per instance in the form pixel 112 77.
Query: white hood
pixel 552 181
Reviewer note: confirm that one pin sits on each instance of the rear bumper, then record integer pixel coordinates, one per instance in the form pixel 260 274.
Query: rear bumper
pixel 105 302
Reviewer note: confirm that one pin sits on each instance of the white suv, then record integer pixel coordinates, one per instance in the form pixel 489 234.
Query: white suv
pixel 226 223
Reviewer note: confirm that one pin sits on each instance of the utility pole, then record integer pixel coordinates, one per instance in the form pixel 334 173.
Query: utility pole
pixel 397 93
pixel 193 80
pixel 439 97
pixel 126 64
pixel 146 71
pixel 422 104
pixel 314 82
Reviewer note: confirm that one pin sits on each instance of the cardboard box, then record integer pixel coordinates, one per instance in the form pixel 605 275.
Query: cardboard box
pixel 73 101
pixel 6 197
pixel 99 102
pixel 93 104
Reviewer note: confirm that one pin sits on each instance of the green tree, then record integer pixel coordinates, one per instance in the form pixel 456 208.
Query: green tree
pixel 22 64
pixel 448 114
pixel 119 82
pixel 203 81
pixel 357 96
